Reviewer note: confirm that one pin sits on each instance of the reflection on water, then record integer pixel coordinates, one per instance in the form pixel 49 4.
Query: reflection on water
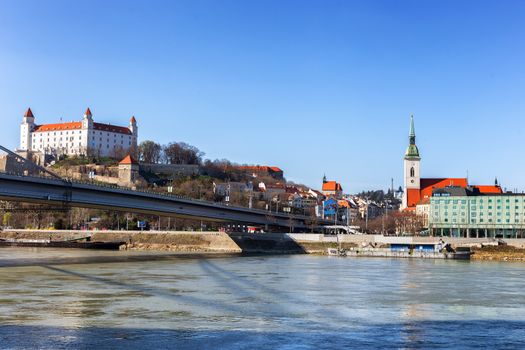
pixel 288 302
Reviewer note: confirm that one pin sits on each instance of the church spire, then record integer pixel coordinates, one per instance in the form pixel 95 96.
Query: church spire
pixel 412 151
pixel 412 134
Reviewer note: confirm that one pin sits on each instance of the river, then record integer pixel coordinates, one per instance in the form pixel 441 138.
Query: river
pixel 53 299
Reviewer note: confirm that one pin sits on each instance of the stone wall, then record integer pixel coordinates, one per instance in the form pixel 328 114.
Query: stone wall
pixel 171 170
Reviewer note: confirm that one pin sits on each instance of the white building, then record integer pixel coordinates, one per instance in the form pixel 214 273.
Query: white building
pixel 77 138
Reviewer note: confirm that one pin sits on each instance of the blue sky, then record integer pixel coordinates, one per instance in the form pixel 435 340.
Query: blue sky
pixel 311 86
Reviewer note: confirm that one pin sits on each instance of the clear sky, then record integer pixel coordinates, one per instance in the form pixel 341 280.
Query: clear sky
pixel 313 87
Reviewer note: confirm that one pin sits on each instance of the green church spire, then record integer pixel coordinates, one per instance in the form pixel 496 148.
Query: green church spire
pixel 412 151
pixel 412 133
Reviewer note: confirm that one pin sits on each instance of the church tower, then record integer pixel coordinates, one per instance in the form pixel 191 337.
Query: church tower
pixel 411 166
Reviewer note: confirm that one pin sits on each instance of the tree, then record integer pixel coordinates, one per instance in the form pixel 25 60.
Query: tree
pixel 150 152
pixel 6 219
pixel 182 153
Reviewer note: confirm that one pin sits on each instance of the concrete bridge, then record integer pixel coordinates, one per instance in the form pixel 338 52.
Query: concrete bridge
pixel 48 190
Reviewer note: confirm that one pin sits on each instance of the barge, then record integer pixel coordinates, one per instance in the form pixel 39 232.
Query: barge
pixel 438 250
pixel 61 244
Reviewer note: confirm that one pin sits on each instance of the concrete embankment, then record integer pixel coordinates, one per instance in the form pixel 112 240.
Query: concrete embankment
pixel 202 242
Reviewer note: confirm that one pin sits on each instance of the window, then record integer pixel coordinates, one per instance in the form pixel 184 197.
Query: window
pixel 412 171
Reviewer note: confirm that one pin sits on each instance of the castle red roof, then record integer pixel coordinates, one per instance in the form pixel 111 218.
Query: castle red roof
pixel 60 126
pixel 128 160
pixel 29 113
pixel 88 112
pixel 78 126
pixel 112 128
pixel 133 120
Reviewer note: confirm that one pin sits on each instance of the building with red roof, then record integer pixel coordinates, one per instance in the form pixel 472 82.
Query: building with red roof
pixel 417 190
pixel 332 189
pixel 84 137
pixel 263 170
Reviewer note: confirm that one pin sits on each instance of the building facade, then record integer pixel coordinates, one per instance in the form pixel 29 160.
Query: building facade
pixel 85 137
pixel 466 212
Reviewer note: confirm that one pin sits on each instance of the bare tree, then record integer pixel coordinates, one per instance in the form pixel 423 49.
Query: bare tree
pixel 182 153
pixel 149 152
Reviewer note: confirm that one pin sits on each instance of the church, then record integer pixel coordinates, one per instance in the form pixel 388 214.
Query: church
pixel 418 190
pixel 85 137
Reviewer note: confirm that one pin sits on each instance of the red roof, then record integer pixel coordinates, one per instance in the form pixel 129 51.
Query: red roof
pixel 88 112
pixel 332 186
pixel 488 188
pixel 415 196
pixel 133 120
pixel 78 125
pixel 260 168
pixel 29 113
pixel 128 160
pixel 61 126
pixel 112 128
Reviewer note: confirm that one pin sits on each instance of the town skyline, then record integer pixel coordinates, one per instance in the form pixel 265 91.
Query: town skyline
pixel 325 108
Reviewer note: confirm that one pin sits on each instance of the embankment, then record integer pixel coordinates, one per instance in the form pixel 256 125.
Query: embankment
pixel 202 242
pixel 266 243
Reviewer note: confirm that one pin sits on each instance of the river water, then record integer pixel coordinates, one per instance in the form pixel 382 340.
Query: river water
pixel 53 299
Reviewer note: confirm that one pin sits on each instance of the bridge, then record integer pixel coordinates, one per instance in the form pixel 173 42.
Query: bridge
pixel 48 188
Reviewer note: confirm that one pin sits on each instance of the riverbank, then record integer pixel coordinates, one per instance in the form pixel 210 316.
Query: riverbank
pixel 498 253
pixel 266 243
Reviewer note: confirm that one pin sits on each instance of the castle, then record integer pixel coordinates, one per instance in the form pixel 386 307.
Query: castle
pixel 84 137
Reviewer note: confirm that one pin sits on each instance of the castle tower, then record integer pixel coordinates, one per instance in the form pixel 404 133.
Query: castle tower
pixel 26 128
pixel 87 121
pixel 133 126
pixel 411 166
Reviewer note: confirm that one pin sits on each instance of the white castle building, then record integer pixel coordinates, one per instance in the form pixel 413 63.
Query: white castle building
pixel 77 138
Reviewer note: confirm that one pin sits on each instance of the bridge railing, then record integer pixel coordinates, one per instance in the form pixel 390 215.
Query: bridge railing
pixel 23 163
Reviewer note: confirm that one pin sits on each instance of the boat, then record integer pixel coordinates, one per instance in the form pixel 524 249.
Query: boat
pixel 61 244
